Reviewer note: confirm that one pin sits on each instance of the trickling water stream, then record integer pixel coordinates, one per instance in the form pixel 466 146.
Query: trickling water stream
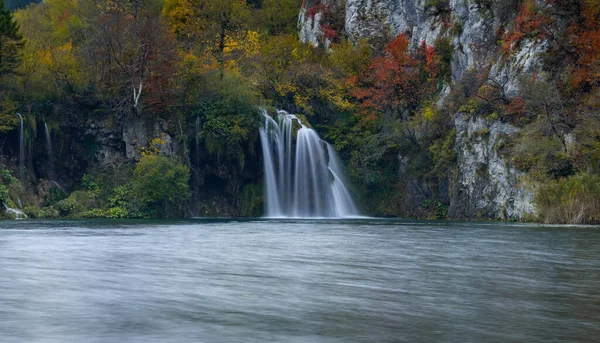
pixel 306 181
pixel 15 213
pixel 197 140
pixel 49 148
pixel 21 148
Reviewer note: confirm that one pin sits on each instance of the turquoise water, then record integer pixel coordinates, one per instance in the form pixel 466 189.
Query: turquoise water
pixel 297 281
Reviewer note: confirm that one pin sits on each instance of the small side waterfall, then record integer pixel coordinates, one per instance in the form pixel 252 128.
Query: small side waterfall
pixel 197 142
pixel 15 213
pixel 21 148
pixel 306 181
pixel 49 148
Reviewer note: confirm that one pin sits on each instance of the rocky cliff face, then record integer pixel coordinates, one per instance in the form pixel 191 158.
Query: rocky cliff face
pixel 485 185
pixel 217 187
pixel 472 27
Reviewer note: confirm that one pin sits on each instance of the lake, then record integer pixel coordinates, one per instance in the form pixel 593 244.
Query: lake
pixel 297 281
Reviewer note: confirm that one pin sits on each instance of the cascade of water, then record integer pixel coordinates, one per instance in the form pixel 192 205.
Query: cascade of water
pixel 21 148
pixel 268 135
pixel 197 142
pixel 16 213
pixel 49 148
pixel 59 187
pixel 306 181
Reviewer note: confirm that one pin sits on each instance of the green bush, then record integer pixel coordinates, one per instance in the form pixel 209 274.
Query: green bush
pixel 572 200
pixel 48 212
pixel 3 195
pixel 76 203
pixel 89 183
pixel 540 154
pixel 441 211
pixel 160 186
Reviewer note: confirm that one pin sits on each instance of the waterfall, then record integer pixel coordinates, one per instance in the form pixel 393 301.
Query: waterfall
pixel 49 148
pixel 21 148
pixel 307 181
pixel 15 213
pixel 59 187
pixel 197 142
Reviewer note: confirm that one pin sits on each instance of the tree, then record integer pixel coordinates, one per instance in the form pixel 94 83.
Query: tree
pixel 219 27
pixel 8 119
pixel 393 83
pixel 586 40
pixel 279 16
pixel 161 184
pixel 133 55
pixel 11 42
pixel 52 63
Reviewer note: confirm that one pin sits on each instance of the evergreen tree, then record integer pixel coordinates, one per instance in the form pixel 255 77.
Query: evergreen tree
pixel 11 42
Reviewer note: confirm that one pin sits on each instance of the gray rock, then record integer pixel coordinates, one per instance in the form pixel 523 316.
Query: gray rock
pixel 486 185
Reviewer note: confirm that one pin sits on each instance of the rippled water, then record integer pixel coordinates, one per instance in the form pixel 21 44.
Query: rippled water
pixel 297 281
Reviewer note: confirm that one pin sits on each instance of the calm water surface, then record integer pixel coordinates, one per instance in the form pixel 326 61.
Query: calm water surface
pixel 297 281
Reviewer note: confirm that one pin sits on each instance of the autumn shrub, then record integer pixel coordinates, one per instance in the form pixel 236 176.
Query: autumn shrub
pixel 584 36
pixel 572 200
pixel 531 23
pixel 331 23
pixel 395 83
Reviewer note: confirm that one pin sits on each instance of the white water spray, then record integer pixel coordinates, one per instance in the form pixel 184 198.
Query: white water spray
pixel 49 148
pixel 15 213
pixel 306 181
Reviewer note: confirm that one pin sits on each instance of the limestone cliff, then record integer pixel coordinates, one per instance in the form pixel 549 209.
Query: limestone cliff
pixel 485 184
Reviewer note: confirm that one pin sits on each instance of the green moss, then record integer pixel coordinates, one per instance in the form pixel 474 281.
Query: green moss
pixel 251 200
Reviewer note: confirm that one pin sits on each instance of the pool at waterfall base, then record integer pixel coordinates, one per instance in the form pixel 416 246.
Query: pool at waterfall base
pixel 256 280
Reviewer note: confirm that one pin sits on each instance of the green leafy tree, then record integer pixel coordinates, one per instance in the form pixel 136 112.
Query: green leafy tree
pixel 8 119
pixel 161 184
pixel 218 27
pixel 279 16
pixel 11 42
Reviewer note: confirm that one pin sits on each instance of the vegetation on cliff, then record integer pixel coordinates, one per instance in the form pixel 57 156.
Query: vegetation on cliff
pixel 195 72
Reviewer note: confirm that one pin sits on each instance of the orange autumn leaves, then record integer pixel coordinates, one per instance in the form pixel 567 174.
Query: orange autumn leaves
pixel 585 35
pixel 580 41
pixel 397 81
